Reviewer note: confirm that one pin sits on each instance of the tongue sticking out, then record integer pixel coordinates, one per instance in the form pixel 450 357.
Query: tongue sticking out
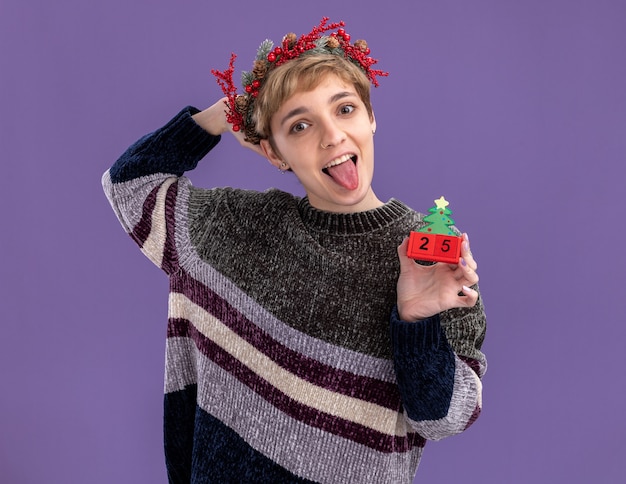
pixel 345 175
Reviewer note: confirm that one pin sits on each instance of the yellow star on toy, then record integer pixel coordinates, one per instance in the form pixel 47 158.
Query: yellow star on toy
pixel 441 203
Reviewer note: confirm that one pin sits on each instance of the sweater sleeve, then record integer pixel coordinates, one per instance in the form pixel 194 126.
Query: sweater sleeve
pixel 144 185
pixel 441 388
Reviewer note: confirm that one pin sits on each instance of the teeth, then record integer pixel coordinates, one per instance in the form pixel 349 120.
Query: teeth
pixel 338 161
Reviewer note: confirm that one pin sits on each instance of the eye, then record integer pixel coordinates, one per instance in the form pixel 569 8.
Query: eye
pixel 346 109
pixel 299 127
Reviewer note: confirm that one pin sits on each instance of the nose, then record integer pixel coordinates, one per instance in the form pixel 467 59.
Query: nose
pixel 331 135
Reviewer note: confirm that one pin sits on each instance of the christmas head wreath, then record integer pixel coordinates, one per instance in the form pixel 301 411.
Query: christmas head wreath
pixel 240 107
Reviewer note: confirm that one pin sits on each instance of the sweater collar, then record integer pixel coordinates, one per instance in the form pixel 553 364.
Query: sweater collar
pixel 351 223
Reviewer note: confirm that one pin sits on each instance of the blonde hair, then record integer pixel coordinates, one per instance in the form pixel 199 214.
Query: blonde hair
pixel 301 75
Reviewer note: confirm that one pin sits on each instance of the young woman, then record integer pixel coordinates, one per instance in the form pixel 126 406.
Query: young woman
pixel 303 344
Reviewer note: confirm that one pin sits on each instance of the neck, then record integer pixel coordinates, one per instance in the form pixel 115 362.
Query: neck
pixel 351 223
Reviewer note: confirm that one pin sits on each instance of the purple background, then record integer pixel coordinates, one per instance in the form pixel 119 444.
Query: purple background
pixel 514 110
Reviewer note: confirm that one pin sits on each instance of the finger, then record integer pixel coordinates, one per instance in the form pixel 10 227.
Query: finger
pixel 403 246
pixel 466 274
pixel 241 138
pixel 404 259
pixel 470 296
pixel 466 253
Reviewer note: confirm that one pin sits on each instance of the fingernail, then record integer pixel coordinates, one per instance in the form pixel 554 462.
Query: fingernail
pixel 463 263
pixel 465 246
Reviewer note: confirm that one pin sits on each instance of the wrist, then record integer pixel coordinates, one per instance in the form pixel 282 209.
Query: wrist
pixel 416 339
pixel 409 317
pixel 212 119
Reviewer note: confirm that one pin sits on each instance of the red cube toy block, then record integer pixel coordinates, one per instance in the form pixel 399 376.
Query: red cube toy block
pixel 421 246
pixel 434 247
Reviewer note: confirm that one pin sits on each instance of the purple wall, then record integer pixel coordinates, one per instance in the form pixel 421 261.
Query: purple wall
pixel 514 110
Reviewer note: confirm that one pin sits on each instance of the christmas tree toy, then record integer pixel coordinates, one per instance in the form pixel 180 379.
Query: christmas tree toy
pixel 436 242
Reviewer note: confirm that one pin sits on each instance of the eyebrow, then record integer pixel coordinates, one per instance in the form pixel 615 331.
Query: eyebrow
pixel 300 110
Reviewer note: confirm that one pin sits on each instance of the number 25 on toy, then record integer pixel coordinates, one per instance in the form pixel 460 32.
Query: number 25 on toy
pixel 434 247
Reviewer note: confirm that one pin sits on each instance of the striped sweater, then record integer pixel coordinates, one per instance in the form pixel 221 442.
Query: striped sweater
pixel 286 360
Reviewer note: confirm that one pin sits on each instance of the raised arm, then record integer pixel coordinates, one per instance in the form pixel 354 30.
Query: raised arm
pixel 143 185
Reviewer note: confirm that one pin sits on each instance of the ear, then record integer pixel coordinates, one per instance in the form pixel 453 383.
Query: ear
pixel 373 122
pixel 272 156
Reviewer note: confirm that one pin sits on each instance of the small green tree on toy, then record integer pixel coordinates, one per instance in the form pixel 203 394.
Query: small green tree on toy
pixel 439 220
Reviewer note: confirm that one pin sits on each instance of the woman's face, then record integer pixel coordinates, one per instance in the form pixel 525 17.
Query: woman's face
pixel 326 137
